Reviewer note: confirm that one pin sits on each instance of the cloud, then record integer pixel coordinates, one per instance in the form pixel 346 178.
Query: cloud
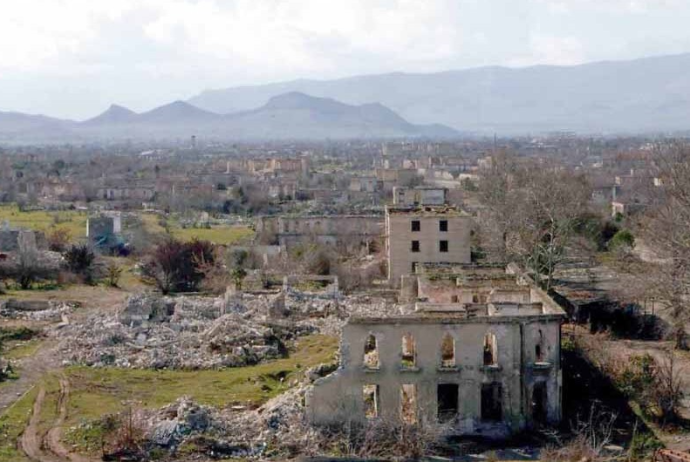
pixel 146 52
pixel 620 6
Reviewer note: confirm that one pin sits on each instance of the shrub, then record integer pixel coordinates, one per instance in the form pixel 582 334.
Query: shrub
pixel 58 239
pixel 113 273
pixel 80 260
pixel 623 239
pixel 175 266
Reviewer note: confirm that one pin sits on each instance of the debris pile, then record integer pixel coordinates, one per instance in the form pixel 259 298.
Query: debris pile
pixel 193 332
pixel 35 310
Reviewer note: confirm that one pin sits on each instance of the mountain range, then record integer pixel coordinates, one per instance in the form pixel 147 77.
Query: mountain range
pixel 648 95
pixel 291 115
pixel 643 95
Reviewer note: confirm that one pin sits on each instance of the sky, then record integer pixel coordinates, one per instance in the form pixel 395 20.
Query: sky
pixel 73 58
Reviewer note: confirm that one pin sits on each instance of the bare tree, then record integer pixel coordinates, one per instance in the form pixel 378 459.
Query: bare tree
pixel 666 229
pixel 534 209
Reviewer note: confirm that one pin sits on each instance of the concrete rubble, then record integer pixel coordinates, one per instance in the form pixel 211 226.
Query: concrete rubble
pixel 205 332
pixel 35 310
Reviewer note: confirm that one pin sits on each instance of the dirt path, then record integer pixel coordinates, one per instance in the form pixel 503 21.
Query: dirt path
pixel 30 441
pixel 50 447
pixel 53 438
pixel 31 369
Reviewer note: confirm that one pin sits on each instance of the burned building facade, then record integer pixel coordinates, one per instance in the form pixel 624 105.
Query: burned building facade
pixel 488 366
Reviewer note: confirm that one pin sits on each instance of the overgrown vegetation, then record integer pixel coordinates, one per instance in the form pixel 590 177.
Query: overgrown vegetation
pixel 175 266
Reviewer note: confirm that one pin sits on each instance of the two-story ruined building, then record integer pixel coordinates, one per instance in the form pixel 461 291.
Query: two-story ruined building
pixel 481 353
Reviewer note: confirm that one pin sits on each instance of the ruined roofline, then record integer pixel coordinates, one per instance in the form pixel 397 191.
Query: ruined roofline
pixel 310 217
pixel 451 318
pixel 426 210
pixel 449 266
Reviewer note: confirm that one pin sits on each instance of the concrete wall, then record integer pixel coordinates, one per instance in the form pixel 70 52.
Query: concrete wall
pixel 419 196
pixel 399 236
pixel 340 395
pixel 329 230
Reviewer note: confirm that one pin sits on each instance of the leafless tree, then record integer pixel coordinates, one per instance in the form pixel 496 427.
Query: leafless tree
pixel 534 209
pixel 666 230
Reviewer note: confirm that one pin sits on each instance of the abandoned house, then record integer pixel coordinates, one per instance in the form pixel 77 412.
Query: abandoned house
pixel 349 231
pixel 425 234
pixel 485 361
pixel 419 196
pixel 104 231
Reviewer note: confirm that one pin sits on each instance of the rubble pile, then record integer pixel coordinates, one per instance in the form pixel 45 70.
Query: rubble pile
pixel 203 332
pixel 35 310
pixel 278 428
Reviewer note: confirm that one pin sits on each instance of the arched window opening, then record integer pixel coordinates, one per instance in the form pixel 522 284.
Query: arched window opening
pixel 409 353
pixel 448 351
pixel 371 353
pixel 539 347
pixel 490 350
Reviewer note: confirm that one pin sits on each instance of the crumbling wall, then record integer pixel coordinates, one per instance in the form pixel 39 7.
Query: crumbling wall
pixel 340 395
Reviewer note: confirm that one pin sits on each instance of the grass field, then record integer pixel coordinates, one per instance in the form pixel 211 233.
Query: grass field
pixel 12 424
pixel 100 391
pixel 219 235
pixel 71 220
pixel 20 350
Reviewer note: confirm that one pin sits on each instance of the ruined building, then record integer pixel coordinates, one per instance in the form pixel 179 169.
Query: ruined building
pixel 104 231
pixel 418 234
pixel 481 353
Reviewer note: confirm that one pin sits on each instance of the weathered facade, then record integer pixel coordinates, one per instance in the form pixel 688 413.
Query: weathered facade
pixel 346 230
pixel 103 231
pixel 491 368
pixel 419 196
pixel 425 234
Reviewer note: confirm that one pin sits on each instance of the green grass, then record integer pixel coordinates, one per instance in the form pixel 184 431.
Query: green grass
pixel 20 350
pixel 71 220
pixel 12 423
pixel 151 223
pixel 227 235
pixel 96 392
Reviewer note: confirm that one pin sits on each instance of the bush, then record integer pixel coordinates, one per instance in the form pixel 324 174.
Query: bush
pixel 113 273
pixel 175 266
pixel 58 239
pixel 623 239
pixel 80 261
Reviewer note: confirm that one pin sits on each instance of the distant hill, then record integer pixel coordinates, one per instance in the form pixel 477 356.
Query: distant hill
pixel 113 115
pixel 288 116
pixel 297 115
pixel 644 95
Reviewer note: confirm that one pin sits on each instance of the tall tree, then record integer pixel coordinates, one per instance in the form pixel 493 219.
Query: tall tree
pixel 666 230
pixel 535 209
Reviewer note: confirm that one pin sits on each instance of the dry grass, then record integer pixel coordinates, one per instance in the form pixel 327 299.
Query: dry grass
pixel 71 220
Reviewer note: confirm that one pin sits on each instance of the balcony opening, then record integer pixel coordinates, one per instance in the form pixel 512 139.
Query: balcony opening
pixel 371 353
pixel 408 403
pixel 447 399
pixel 409 352
pixel 539 403
pixel 539 348
pixel 490 350
pixel 448 351
pixel 491 405
pixel 370 393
